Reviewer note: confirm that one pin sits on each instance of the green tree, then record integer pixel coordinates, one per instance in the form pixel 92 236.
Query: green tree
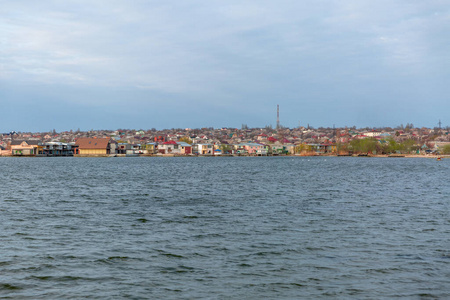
pixel 408 146
pixel 446 149
pixel 225 148
pixel 186 139
pixel 392 146
pixel 367 145
pixel 342 147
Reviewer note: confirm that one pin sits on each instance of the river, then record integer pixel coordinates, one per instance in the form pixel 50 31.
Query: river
pixel 225 228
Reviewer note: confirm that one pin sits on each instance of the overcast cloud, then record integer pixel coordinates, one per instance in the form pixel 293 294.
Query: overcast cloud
pixel 143 64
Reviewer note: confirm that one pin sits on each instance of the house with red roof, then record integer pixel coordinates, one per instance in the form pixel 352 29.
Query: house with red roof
pixel 167 147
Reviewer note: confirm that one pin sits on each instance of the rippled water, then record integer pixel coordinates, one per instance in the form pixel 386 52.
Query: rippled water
pixel 224 228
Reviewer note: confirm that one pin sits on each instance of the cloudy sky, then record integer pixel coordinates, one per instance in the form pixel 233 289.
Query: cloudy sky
pixel 108 64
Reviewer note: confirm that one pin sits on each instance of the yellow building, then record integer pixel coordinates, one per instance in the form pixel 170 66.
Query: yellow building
pixel 93 146
pixel 26 147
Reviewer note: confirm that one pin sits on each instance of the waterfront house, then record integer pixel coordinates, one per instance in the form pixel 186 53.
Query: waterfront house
pixel 322 148
pixel 252 149
pixel 184 148
pixel 202 149
pixel 239 149
pixel 328 147
pixel 136 149
pixel 167 147
pixel 57 149
pixel 128 149
pixel 93 146
pixel 148 148
pixel 315 148
pixel 26 147
pixel 124 148
pixel 172 147
pixel 278 148
pixel 289 149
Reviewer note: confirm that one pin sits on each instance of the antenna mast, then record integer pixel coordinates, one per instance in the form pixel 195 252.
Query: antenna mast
pixel 278 116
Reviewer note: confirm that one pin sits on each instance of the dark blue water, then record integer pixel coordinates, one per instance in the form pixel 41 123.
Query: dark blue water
pixel 224 228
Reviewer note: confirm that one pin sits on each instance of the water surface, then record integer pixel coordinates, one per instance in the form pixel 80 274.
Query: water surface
pixel 224 228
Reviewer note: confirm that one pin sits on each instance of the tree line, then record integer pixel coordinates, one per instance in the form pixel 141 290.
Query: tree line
pixel 388 146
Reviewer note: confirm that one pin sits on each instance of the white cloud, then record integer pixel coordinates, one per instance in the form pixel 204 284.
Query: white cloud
pixel 201 47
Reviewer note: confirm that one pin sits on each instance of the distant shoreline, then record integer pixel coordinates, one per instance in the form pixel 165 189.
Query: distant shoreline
pixel 292 155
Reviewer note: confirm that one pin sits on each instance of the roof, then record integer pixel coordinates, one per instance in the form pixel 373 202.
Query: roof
pixel 92 143
pixel 29 142
pixel 170 143
pixel 250 144
pixel 55 143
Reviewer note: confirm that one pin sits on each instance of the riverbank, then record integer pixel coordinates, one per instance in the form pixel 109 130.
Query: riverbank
pixel 242 155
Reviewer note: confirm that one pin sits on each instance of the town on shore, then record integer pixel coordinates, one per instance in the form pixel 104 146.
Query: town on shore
pixel 267 141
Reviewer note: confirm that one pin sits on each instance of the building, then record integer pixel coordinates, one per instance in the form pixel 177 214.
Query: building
pixel 172 147
pixel 253 149
pixel 57 149
pixel 148 148
pixel 93 146
pixel 202 149
pixel 185 148
pixel 124 148
pixel 26 147
pixel 167 147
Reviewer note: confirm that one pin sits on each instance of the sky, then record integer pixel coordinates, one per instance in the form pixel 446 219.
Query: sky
pixel 141 64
